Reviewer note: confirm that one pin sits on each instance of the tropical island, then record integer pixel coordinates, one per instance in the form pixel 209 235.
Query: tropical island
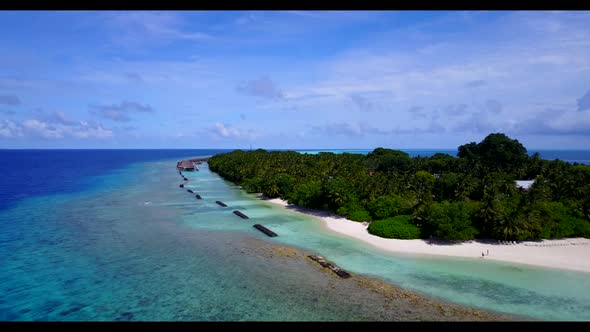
pixel 442 197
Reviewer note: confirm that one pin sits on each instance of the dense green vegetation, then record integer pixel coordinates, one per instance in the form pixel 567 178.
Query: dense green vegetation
pixel 444 197
pixel 398 227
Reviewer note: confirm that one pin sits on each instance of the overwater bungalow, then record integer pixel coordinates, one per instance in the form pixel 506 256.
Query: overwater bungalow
pixel 185 165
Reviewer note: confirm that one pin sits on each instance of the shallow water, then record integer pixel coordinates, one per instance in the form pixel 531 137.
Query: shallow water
pixel 107 255
pixel 504 287
pixel 137 247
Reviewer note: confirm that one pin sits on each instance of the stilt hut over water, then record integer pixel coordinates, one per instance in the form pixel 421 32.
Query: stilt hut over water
pixel 185 165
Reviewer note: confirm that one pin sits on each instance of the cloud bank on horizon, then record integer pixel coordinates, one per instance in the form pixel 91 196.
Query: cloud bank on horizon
pixel 293 79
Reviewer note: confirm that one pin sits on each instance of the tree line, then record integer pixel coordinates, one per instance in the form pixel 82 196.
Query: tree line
pixel 473 195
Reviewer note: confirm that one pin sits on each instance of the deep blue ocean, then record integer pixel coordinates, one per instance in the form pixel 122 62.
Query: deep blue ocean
pixel 28 173
pixel 108 235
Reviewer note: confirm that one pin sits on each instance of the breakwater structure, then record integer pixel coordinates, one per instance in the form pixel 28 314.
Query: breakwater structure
pixel 221 203
pixel 325 264
pixel 198 196
pixel 240 214
pixel 265 230
pixel 190 191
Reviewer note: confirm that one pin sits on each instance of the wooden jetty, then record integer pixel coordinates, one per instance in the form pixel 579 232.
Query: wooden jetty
pixel 238 213
pixel 190 191
pixel 181 185
pixel 265 230
pixel 198 196
pixel 221 203
pixel 339 272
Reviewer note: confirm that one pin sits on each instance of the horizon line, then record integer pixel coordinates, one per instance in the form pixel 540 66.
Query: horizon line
pixel 289 149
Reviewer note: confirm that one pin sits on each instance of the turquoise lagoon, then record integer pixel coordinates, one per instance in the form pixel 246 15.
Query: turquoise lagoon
pixel 134 246
pixel 511 288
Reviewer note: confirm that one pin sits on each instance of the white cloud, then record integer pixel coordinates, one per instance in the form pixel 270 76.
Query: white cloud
pixel 97 131
pixel 120 112
pixel 529 68
pixel 557 122
pixel 42 129
pixel 54 116
pixel 249 18
pixel 498 73
pixel 154 73
pixel 354 129
pixel 53 130
pixel 147 28
pixel 9 129
pixel 226 131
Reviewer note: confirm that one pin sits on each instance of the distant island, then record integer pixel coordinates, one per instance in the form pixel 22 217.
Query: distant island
pixel 477 195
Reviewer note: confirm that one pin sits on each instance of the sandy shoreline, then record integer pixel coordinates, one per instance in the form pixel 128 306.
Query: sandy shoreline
pixel 569 254
pixel 381 301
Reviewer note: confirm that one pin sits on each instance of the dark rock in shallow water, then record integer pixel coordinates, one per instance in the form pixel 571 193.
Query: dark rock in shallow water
pixel 265 230
pixel 323 263
pixel 221 203
pixel 181 185
pixel 190 191
pixel 198 196
pixel 240 214
pixel 339 272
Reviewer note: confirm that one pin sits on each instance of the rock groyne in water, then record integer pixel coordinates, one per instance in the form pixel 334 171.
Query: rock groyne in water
pixel 240 214
pixel 265 230
pixel 339 272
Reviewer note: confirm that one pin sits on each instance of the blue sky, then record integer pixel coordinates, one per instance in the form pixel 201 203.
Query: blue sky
pixel 293 79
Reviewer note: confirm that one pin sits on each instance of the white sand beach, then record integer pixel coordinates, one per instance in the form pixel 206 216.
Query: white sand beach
pixel 569 254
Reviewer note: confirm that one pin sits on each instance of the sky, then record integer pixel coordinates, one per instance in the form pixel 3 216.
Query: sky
pixel 293 79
